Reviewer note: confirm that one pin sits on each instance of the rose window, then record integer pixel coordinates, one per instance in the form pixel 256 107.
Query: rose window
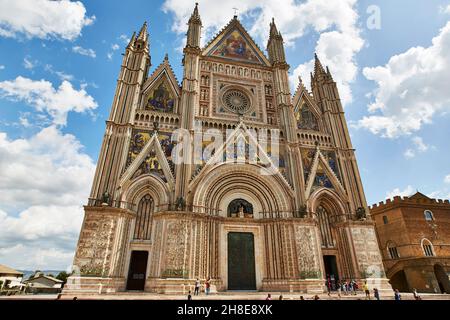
pixel 236 101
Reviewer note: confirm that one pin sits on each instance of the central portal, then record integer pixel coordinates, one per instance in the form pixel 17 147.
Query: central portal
pixel 241 261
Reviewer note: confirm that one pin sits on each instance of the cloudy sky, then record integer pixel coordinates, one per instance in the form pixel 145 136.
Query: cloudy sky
pixel 59 62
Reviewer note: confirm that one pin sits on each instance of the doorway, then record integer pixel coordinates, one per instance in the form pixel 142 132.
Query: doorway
pixel 241 261
pixel 331 271
pixel 137 271
pixel 398 281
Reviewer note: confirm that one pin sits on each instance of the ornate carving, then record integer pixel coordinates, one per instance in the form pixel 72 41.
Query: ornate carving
pixel 306 245
pixel 367 252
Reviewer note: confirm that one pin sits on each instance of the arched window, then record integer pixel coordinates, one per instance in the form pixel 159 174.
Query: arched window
pixel 142 228
pixel 325 228
pixel 428 215
pixel 392 248
pixel 427 247
pixel 238 205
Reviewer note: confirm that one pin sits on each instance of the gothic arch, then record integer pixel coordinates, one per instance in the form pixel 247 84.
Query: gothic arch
pixel 226 182
pixel 133 191
pixel 328 198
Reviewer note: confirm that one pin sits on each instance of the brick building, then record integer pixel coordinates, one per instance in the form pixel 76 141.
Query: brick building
pixel 414 237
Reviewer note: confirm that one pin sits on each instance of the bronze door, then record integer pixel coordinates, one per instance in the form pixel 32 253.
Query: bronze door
pixel 241 261
pixel 137 271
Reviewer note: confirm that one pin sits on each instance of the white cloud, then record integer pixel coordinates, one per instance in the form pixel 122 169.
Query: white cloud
pixel 60 74
pixel 28 64
pixel 409 153
pixel 419 147
pixel 84 52
pixel 115 47
pixel 411 89
pixel 45 98
pixel 444 10
pixel 44 180
pixel 409 190
pixel 2 67
pixel 110 54
pixel 447 179
pixel 124 38
pixel 43 19
pixel 335 21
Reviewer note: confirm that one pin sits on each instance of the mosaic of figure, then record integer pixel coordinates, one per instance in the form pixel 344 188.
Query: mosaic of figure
pixel 138 141
pixel 307 159
pixel 330 157
pixel 235 47
pixel 321 179
pixel 306 119
pixel 161 99
pixel 150 165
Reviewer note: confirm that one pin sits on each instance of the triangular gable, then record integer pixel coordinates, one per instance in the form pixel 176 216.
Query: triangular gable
pixel 163 78
pixel 151 160
pixel 241 132
pixel 234 43
pixel 313 122
pixel 419 195
pixel 322 175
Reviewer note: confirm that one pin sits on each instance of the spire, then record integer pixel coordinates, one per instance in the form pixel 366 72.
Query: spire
pixel 275 46
pixel 133 38
pixel 194 29
pixel 318 68
pixel 195 17
pixel 143 34
pixel 273 29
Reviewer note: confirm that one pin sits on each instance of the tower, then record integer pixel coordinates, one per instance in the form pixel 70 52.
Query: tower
pixel 275 203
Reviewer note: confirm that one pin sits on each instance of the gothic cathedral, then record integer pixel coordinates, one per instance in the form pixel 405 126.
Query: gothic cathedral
pixel 289 216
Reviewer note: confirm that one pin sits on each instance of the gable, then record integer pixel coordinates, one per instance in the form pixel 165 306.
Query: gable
pixel 234 43
pixel 160 97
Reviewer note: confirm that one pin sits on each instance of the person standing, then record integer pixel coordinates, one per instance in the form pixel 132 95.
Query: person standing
pixel 339 287
pixel 397 295
pixel 376 294
pixel 269 297
pixel 189 295
pixel 197 287
pixel 366 290
pixel 207 285
pixel 416 295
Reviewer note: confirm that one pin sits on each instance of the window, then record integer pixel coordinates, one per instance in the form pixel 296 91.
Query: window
pixel 427 247
pixel 393 253
pixel 428 215
pixel 325 227
pixel 385 220
pixel 143 223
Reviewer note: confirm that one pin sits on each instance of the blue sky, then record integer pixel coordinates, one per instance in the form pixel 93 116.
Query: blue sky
pixel 58 76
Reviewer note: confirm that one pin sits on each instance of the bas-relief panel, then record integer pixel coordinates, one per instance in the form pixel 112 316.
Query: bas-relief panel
pixel 306 245
pixel 234 46
pixel 96 241
pixel 176 251
pixel 367 252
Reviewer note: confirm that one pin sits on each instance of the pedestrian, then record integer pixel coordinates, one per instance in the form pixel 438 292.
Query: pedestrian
pixel 339 287
pixel 281 297
pixel 366 290
pixel 189 295
pixel 328 284
pixel 397 295
pixel 345 287
pixel 197 287
pixel 416 295
pixel 301 298
pixel 316 297
pixel 376 294
pixel 207 285
pixel 269 297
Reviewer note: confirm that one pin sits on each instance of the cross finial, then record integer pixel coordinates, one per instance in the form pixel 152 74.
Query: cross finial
pixel 235 12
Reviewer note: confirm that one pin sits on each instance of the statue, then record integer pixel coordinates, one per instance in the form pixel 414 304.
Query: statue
pixel 155 126
pixel 180 204
pixel 105 198
pixel 302 211
pixel 361 213
pixel 241 211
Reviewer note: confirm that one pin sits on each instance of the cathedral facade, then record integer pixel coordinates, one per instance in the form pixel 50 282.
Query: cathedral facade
pixel 226 176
